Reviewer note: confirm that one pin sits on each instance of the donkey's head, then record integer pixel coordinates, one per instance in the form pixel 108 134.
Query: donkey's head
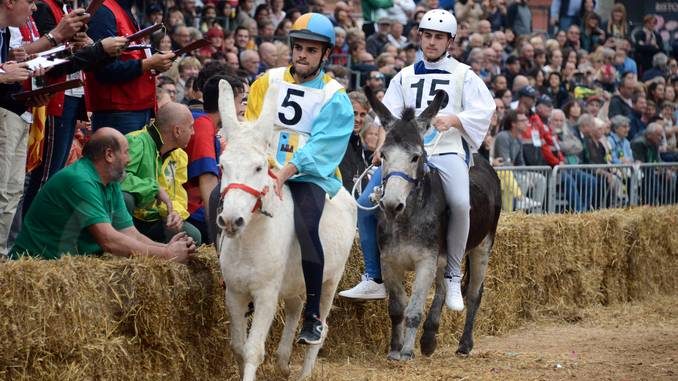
pixel 245 175
pixel 403 155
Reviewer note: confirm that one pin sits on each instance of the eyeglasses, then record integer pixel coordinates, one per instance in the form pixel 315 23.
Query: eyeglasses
pixel 379 77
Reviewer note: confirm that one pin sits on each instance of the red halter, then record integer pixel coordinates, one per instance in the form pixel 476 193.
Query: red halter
pixel 244 187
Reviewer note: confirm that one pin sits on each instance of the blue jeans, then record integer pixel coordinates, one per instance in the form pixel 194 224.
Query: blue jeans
pixel 123 121
pixel 59 133
pixel 579 188
pixel 367 226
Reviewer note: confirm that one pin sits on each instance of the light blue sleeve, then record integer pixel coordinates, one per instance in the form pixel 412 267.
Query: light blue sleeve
pixel 321 155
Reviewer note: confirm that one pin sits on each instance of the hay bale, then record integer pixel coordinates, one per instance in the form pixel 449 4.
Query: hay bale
pixel 110 318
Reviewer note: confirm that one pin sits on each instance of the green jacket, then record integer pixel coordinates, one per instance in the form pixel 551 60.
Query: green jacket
pixel 370 6
pixel 141 178
pixel 147 170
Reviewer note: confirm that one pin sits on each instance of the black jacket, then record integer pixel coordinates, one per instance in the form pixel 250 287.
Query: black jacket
pixel 354 163
pixel 7 89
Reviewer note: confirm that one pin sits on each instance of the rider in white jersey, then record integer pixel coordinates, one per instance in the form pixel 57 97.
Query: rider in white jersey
pixel 460 128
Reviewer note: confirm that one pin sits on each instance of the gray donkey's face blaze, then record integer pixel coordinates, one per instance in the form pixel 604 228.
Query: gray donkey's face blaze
pixel 400 155
pixel 403 150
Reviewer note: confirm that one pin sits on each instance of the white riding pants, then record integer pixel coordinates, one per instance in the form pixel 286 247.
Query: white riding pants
pixel 454 175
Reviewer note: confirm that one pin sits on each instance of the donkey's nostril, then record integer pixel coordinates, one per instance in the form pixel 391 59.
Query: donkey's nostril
pixel 220 222
pixel 239 221
pixel 400 207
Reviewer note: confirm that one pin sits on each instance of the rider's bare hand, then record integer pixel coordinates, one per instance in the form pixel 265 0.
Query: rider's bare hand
pixel 285 173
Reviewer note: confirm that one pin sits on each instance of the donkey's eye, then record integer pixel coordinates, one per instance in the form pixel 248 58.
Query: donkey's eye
pixel 258 169
pixel 415 158
pixel 383 157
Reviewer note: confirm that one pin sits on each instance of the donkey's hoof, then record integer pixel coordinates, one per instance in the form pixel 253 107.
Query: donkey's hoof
pixel 464 348
pixel 429 343
pixel 406 356
pixel 394 355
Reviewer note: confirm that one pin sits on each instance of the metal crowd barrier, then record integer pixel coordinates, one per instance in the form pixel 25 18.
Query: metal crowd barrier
pixel 657 184
pixel 524 188
pixel 586 187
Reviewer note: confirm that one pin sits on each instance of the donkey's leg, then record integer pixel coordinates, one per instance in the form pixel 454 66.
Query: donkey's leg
pixel 397 301
pixel 265 304
pixel 293 307
pixel 326 300
pixel 425 272
pixel 428 340
pixel 237 307
pixel 478 259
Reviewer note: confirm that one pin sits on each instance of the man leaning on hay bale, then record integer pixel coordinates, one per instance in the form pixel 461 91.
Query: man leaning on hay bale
pixel 81 210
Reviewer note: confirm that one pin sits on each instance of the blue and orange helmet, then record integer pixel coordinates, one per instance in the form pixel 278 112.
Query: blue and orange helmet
pixel 315 27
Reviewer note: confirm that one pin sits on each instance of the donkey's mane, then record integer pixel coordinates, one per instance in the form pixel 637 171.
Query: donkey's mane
pixel 407 114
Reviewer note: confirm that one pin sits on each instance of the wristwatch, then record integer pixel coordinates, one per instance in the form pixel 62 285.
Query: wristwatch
pixel 51 39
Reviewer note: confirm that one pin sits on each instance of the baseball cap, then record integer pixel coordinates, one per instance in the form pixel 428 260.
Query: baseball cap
pixel 527 91
pixel 545 100
pixel 384 20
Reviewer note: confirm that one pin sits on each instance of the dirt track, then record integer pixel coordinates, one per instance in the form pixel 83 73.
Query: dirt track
pixel 637 341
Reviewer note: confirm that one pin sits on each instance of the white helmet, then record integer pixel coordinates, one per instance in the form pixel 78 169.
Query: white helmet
pixel 439 20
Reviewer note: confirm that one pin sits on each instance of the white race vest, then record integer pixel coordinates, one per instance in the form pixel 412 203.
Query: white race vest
pixel 298 107
pixel 419 91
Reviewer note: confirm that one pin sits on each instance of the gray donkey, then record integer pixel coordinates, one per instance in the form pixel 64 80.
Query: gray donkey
pixel 412 230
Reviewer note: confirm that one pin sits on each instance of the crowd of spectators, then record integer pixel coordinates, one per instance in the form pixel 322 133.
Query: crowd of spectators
pixel 595 88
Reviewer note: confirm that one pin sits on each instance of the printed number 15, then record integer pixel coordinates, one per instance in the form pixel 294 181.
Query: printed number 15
pixel 432 91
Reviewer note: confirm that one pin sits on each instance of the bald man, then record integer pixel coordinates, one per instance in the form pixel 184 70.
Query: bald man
pixel 156 172
pixel 269 55
pixel 249 61
pixel 81 211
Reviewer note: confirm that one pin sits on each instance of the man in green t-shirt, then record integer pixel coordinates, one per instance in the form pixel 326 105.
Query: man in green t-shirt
pixel 81 211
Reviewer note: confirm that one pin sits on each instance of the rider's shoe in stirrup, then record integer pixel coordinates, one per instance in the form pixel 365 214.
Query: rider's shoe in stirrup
pixel 367 289
pixel 312 331
pixel 453 298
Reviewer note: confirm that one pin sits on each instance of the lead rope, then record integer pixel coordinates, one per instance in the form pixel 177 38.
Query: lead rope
pixel 374 196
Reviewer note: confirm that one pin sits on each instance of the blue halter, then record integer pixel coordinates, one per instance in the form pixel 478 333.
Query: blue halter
pixel 402 175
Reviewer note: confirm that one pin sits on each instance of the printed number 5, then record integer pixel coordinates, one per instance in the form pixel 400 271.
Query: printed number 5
pixel 296 117
pixel 435 83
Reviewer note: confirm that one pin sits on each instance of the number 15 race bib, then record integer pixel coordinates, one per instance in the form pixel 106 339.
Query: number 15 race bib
pixel 298 107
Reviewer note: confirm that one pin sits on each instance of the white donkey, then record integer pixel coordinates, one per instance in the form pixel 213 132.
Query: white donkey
pixel 259 253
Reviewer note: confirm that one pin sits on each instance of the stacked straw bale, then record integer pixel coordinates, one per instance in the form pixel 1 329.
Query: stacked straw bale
pixel 119 319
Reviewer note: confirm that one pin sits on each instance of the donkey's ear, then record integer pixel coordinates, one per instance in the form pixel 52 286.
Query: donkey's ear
pixel 268 112
pixel 385 116
pixel 229 117
pixel 424 119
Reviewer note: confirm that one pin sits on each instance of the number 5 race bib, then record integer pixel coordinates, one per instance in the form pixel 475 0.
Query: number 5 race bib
pixel 298 107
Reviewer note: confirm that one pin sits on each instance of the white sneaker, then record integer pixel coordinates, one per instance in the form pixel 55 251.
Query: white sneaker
pixel 453 298
pixel 367 289
pixel 526 203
